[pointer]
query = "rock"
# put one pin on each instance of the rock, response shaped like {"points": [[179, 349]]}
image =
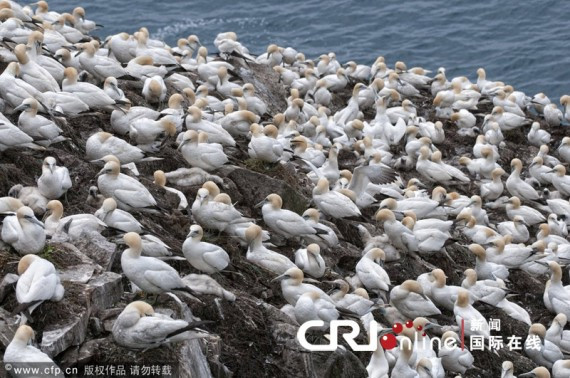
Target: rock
{"points": [[267, 87], [106, 289], [192, 362], [73, 332], [254, 187], [77, 273], [7, 284], [96, 247], [8, 326], [299, 363], [204, 284]]}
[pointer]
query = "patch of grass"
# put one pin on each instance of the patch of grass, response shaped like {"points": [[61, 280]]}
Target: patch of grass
{"points": [[47, 253], [261, 166]]}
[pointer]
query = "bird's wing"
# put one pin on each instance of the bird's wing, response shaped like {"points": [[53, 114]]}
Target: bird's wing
{"points": [[11, 230], [218, 258], [133, 198], [166, 278], [39, 288]]}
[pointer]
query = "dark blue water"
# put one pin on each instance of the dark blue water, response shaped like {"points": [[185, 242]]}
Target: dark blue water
{"points": [[524, 43]]}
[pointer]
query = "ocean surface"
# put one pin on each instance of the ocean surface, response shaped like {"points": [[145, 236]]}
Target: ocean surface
{"points": [[524, 43]]}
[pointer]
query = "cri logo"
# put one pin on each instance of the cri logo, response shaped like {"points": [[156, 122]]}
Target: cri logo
{"points": [[388, 341]]}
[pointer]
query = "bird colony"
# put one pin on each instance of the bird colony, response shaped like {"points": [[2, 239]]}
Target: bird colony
{"points": [[170, 203]]}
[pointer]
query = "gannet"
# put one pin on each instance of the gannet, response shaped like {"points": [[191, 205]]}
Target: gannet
{"points": [[88, 93], [117, 218], [191, 177], [198, 152], [510, 255], [24, 196], [552, 115], [160, 180], [482, 166], [328, 170], [557, 227], [563, 149], [485, 269], [83, 25], [111, 88], [310, 260], [15, 90], [54, 181], [410, 300], [333, 203], [518, 187], [302, 150], [371, 273], [142, 68], [43, 11], [517, 228], [488, 291], [538, 137], [41, 129], [204, 284], [541, 172], [52, 66], [140, 327], [121, 119], [10, 204], [259, 255], [101, 67], [400, 236], [264, 146], [547, 353], [154, 90], [72, 225], [557, 335], [212, 214], [144, 131], [453, 358], [24, 232], [310, 306], [33, 73], [283, 221], [560, 181], [358, 301], [378, 366], [442, 294], [129, 193], [560, 369], [491, 190], [203, 256], [463, 311], [150, 274], [20, 352], [216, 133], [402, 367], [327, 238], [38, 282], [292, 286], [531, 216], [160, 56], [549, 160]]}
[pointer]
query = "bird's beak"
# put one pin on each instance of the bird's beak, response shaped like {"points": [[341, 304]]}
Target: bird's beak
{"points": [[21, 107], [102, 171], [182, 144], [529, 374], [51, 168], [260, 204], [279, 278], [431, 325], [79, 53], [34, 220]]}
